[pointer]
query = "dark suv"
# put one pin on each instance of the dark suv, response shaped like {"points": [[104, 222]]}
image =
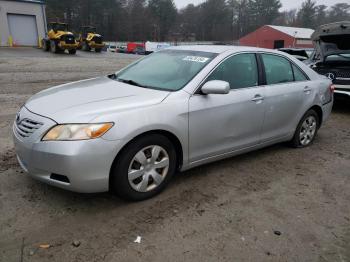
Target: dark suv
{"points": [[332, 55]]}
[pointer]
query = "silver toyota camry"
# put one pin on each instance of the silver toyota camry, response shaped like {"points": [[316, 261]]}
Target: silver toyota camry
{"points": [[182, 107]]}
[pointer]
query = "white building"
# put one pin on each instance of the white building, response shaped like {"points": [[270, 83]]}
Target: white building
{"points": [[22, 20]]}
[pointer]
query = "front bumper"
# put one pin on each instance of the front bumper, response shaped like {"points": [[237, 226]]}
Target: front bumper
{"points": [[343, 90], [86, 164]]}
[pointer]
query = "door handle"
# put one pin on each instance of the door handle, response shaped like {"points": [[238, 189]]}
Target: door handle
{"points": [[258, 98], [307, 89]]}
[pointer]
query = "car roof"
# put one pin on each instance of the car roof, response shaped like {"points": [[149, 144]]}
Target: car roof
{"points": [[218, 49]]}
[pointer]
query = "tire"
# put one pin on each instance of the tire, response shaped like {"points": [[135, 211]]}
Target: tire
{"points": [[306, 131], [98, 50], [72, 51], [46, 47], [148, 180], [53, 47]]}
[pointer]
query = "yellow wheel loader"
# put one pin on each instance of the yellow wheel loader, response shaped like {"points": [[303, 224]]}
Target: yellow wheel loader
{"points": [[89, 39], [59, 39]]}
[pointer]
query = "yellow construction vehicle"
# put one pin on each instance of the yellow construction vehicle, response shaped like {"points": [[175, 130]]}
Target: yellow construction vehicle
{"points": [[59, 39], [89, 39]]}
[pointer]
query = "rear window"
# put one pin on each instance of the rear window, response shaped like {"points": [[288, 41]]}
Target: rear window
{"points": [[278, 69], [298, 74]]}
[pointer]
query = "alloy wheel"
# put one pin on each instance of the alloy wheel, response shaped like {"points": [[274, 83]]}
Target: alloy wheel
{"points": [[308, 130]]}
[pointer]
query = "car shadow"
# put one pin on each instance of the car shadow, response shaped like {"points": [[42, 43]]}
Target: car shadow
{"points": [[196, 191]]}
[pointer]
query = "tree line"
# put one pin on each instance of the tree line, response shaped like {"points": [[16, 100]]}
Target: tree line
{"points": [[212, 20]]}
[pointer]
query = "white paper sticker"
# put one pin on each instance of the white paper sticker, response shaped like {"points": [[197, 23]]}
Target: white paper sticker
{"points": [[198, 59]]}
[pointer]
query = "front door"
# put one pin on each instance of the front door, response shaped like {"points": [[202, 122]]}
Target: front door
{"points": [[219, 124]]}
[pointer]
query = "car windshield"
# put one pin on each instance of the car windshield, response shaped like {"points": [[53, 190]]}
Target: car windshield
{"points": [[338, 57], [167, 70]]}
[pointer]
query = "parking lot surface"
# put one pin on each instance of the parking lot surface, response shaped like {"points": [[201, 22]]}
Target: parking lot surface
{"points": [[275, 204]]}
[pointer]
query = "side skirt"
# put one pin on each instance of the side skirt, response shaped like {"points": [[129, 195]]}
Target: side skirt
{"points": [[235, 153]]}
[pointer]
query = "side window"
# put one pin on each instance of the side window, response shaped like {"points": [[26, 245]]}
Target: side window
{"points": [[298, 75], [278, 69], [239, 70]]}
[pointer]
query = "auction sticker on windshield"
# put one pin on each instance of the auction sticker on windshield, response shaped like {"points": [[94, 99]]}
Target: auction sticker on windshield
{"points": [[198, 59]]}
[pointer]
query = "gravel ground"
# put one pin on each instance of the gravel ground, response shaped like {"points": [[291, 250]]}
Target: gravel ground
{"points": [[275, 204]]}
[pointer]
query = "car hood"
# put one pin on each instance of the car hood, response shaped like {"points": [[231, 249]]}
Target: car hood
{"points": [[82, 101]]}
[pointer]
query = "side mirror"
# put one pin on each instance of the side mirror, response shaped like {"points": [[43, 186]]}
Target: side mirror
{"points": [[217, 87]]}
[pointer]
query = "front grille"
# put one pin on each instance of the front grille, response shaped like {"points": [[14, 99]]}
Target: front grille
{"points": [[341, 81], [343, 74], [68, 39], [337, 73], [27, 127], [97, 39]]}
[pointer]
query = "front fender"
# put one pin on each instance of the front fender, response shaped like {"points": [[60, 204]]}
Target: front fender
{"points": [[171, 116]]}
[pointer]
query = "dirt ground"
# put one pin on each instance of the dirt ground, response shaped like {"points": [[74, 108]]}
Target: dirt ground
{"points": [[275, 204]]}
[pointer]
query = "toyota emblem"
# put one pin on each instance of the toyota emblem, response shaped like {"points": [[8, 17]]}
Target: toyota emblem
{"points": [[331, 76]]}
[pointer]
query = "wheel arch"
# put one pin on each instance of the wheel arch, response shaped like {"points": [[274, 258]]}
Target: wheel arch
{"points": [[172, 137], [319, 112]]}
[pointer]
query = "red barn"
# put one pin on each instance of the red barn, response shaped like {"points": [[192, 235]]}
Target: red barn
{"points": [[273, 37]]}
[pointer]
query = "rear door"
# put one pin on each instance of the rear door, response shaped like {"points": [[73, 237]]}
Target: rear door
{"points": [[286, 93]]}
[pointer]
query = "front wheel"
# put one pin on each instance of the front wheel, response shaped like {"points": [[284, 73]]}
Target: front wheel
{"points": [[72, 51], [307, 130], [144, 168], [98, 50]]}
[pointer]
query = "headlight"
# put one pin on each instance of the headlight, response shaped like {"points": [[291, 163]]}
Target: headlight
{"points": [[70, 132]]}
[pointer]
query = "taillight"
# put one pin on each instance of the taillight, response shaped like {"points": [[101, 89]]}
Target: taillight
{"points": [[332, 88]]}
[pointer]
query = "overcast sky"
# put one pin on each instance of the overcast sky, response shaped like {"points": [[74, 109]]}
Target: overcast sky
{"points": [[287, 4]]}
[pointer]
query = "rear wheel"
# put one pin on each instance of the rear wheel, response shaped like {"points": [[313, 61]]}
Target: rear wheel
{"points": [[98, 50], [307, 130], [144, 168], [72, 51]]}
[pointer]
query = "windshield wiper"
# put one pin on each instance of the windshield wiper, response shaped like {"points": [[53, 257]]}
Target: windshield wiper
{"points": [[130, 82]]}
